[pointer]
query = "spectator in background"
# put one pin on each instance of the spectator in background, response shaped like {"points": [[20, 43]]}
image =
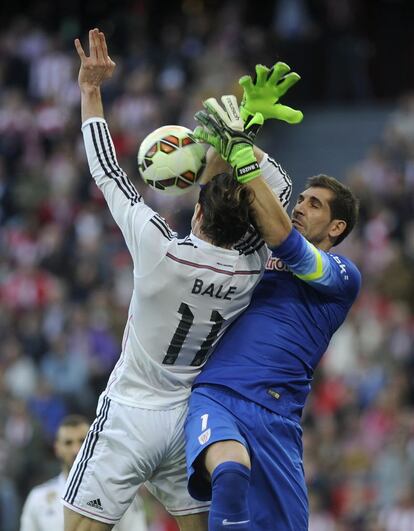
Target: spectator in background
{"points": [[43, 509]]}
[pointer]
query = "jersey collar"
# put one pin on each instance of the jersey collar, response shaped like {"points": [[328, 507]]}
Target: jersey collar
{"points": [[209, 247]]}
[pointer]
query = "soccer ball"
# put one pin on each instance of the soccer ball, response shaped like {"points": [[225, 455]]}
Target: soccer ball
{"points": [[170, 161]]}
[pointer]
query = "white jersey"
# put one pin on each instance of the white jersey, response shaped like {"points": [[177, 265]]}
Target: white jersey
{"points": [[186, 291], [43, 509]]}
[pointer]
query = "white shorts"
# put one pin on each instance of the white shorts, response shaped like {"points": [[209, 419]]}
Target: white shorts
{"points": [[127, 446]]}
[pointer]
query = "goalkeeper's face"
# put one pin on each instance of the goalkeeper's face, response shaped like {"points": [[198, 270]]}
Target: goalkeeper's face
{"points": [[312, 217]]}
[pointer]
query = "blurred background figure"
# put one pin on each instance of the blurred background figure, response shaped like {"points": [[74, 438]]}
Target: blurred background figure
{"points": [[43, 509]]}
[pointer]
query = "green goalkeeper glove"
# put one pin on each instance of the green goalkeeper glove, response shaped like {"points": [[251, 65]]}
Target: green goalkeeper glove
{"points": [[262, 94], [225, 131]]}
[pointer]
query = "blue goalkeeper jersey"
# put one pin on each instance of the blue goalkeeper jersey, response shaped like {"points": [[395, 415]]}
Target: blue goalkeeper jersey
{"points": [[270, 352]]}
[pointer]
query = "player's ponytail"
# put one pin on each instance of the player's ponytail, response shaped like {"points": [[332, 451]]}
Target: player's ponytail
{"points": [[226, 210]]}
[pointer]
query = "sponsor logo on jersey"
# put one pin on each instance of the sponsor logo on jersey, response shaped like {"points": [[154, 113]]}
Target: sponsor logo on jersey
{"points": [[342, 267], [273, 394], [51, 496], [204, 437], [96, 504], [276, 264]]}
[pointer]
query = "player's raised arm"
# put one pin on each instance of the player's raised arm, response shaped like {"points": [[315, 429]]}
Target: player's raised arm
{"points": [[224, 130], [94, 69], [271, 172], [125, 203]]}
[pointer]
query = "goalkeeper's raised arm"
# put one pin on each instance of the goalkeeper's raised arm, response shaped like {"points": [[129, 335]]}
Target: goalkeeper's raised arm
{"points": [[222, 128]]}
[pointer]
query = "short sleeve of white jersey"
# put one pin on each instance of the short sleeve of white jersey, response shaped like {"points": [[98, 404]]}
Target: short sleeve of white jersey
{"points": [[146, 234], [277, 178]]}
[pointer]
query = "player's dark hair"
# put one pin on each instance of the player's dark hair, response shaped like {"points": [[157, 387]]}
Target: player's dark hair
{"points": [[225, 205], [73, 421], [344, 205]]}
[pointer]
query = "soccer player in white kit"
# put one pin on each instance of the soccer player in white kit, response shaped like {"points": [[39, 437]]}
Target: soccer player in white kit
{"points": [[43, 509], [186, 293]]}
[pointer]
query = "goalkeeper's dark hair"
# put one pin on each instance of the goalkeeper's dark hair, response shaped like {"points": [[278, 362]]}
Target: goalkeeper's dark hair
{"points": [[344, 205], [225, 205]]}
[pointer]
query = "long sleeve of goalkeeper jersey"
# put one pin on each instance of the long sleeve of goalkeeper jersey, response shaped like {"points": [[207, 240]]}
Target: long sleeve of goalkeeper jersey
{"points": [[326, 272], [276, 177], [146, 234]]}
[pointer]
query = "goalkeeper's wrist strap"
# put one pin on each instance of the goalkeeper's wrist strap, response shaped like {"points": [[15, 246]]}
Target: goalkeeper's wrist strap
{"points": [[246, 173], [245, 164]]}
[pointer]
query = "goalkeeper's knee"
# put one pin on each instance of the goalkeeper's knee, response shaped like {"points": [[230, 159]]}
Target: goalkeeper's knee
{"points": [[230, 484]]}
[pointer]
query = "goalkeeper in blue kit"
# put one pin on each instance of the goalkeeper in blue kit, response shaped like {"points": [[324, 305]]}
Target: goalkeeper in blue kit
{"points": [[243, 433]]}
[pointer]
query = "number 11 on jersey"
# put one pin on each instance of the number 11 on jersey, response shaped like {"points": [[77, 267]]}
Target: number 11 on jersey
{"points": [[182, 331]]}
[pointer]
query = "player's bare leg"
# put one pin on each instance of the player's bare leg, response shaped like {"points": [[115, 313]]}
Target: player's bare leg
{"points": [[79, 522], [193, 522], [223, 451]]}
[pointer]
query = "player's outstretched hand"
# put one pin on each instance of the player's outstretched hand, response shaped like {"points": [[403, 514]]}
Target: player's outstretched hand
{"points": [[98, 66], [223, 128], [262, 94]]}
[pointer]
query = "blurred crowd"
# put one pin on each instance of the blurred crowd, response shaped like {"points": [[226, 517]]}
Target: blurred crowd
{"points": [[65, 273]]}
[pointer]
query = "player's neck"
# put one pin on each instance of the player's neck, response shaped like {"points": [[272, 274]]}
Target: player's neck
{"points": [[324, 245], [200, 235]]}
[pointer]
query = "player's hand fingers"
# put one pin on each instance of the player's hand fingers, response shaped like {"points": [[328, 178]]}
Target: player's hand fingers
{"points": [[104, 49], [208, 122], [93, 51], [277, 72], [199, 134], [201, 117], [202, 135], [103, 44], [246, 82], [254, 125], [255, 120], [232, 108], [100, 54], [261, 75], [80, 50], [110, 65], [288, 81], [287, 114], [214, 108]]}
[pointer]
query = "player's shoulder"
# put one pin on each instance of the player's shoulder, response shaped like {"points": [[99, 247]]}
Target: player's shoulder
{"points": [[349, 272], [192, 251], [159, 226]]}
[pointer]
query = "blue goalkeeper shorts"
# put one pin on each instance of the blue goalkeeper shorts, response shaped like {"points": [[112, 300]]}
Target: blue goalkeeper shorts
{"points": [[277, 494]]}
